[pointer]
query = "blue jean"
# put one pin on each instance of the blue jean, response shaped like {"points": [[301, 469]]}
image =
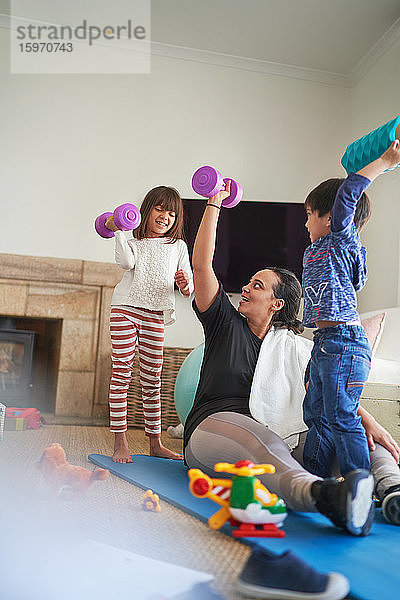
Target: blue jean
{"points": [[340, 364]]}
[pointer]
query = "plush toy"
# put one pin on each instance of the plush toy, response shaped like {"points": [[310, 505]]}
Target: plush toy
{"points": [[151, 501], [63, 477]]}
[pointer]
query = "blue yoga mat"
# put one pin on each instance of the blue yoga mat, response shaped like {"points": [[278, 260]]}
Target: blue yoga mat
{"points": [[372, 564]]}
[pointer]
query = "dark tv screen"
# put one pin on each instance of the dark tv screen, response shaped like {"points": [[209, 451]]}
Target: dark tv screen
{"points": [[250, 237]]}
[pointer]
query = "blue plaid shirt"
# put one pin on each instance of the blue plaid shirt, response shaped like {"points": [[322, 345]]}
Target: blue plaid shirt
{"points": [[335, 265]]}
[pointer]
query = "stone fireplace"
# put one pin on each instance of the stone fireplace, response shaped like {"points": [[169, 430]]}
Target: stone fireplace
{"points": [[76, 294]]}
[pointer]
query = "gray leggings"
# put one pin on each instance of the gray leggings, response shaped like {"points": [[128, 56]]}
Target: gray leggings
{"points": [[229, 437]]}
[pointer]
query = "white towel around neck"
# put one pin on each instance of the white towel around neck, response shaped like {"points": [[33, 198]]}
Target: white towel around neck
{"points": [[277, 391]]}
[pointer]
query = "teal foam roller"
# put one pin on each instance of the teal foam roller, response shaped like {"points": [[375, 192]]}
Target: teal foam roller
{"points": [[371, 146]]}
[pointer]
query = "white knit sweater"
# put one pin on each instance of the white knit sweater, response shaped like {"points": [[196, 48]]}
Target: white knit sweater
{"points": [[150, 265]]}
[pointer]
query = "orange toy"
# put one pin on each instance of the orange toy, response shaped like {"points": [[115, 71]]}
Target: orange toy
{"points": [[61, 476], [151, 501]]}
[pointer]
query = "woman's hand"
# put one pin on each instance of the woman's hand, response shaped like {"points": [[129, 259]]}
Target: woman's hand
{"points": [[376, 433], [181, 279], [221, 195]]}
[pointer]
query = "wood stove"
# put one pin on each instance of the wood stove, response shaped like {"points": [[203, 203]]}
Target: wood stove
{"points": [[16, 355]]}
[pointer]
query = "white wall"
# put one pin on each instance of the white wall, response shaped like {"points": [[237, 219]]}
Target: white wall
{"points": [[75, 146], [374, 101], [187, 332]]}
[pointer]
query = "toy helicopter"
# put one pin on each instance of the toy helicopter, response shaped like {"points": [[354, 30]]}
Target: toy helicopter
{"points": [[246, 503]]}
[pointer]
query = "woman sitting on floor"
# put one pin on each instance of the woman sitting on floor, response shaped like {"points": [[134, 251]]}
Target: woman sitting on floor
{"points": [[220, 426]]}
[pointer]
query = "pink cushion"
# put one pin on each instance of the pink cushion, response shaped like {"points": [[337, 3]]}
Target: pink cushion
{"points": [[373, 328]]}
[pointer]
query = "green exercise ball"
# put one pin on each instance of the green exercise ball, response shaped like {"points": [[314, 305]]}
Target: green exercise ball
{"points": [[187, 381]]}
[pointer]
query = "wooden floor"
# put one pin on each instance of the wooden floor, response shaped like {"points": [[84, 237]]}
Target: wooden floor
{"points": [[110, 511]]}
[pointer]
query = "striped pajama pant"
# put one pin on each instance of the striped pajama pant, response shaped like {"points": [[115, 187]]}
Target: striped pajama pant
{"points": [[130, 326]]}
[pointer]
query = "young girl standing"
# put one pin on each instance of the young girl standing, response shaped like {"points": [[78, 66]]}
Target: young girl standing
{"points": [[142, 303]]}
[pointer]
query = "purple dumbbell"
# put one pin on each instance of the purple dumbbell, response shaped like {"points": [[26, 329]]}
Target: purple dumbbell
{"points": [[126, 217], [207, 182]]}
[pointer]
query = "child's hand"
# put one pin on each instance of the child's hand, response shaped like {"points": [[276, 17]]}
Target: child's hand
{"points": [[391, 157], [110, 224], [181, 279], [221, 195], [388, 160]]}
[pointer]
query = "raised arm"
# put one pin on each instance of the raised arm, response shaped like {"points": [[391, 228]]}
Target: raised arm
{"points": [[351, 189], [205, 282], [124, 256], [345, 204]]}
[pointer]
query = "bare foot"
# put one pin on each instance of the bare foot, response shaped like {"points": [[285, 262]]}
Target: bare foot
{"points": [[121, 450], [157, 449]]}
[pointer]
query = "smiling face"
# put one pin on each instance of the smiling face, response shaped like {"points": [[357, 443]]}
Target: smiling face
{"points": [[317, 226], [258, 299], [160, 221]]}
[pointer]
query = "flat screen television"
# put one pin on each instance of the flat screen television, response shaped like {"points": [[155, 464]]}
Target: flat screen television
{"points": [[252, 236]]}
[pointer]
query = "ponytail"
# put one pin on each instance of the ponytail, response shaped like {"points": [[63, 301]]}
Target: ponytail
{"points": [[296, 326], [288, 289]]}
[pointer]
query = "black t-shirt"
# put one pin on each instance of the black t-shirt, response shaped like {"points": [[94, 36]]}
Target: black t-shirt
{"points": [[230, 356]]}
